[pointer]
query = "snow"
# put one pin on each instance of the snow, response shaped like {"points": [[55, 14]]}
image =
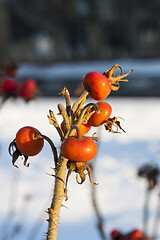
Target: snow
{"points": [[26, 192]]}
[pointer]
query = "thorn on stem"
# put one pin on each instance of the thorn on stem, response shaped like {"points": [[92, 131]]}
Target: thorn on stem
{"points": [[64, 206], [45, 219], [52, 175]]}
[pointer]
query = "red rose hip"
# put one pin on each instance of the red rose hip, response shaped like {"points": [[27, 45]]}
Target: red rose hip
{"points": [[29, 141], [97, 85]]}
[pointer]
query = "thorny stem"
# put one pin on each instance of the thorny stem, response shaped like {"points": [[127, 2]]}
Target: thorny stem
{"points": [[61, 162], [58, 197], [59, 193]]}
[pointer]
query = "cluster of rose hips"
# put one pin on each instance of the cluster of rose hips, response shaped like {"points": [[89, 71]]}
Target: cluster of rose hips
{"points": [[77, 121], [10, 87], [135, 234]]}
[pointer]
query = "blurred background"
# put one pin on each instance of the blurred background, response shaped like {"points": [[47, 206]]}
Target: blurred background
{"points": [[40, 35], [56, 42]]}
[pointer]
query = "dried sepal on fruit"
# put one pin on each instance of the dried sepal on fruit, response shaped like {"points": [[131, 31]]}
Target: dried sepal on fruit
{"points": [[15, 153], [28, 142], [79, 168], [111, 123], [114, 80]]}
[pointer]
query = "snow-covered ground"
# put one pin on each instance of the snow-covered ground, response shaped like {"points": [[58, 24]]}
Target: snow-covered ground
{"points": [[26, 192]]}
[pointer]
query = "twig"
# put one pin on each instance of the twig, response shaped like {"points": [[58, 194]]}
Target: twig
{"points": [[80, 99], [157, 219], [53, 121], [85, 109], [54, 150], [83, 112], [66, 95], [146, 210], [64, 114], [100, 220]]}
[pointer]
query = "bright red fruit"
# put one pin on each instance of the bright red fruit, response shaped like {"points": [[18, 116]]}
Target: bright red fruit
{"points": [[98, 119], [115, 234], [84, 128], [29, 89], [79, 150], [136, 234], [97, 85], [9, 87], [30, 84], [29, 141]]}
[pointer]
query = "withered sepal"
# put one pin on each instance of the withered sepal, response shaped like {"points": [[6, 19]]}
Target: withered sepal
{"points": [[15, 153], [113, 122]]}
